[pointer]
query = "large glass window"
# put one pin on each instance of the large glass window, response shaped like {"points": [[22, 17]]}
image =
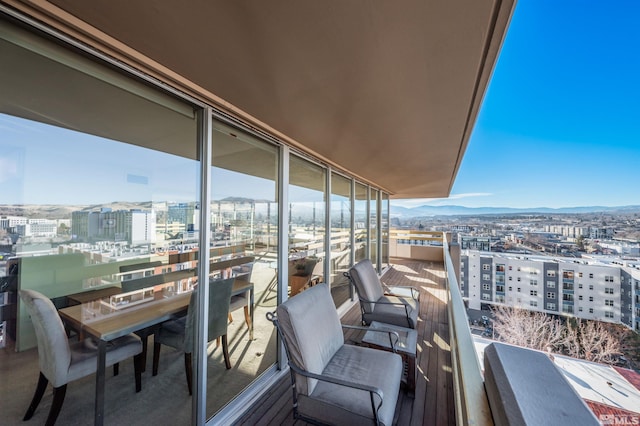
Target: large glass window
{"points": [[244, 231], [361, 230], [373, 227], [340, 250], [99, 184], [384, 227], [307, 192]]}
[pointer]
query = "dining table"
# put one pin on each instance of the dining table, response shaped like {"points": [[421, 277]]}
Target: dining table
{"points": [[100, 319]]}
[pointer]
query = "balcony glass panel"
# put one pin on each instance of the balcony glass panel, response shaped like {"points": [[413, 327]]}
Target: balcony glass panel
{"points": [[361, 220], [244, 229], [99, 179], [340, 250], [384, 226], [373, 227], [307, 192]]}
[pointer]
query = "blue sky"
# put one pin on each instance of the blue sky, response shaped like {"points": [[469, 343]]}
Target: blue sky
{"points": [[560, 122]]}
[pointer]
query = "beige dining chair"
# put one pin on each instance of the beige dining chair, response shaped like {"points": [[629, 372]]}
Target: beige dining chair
{"points": [[180, 333], [61, 361]]}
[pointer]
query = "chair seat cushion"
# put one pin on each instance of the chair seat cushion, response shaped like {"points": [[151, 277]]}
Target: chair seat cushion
{"points": [[394, 314], [238, 301], [344, 405], [83, 355]]}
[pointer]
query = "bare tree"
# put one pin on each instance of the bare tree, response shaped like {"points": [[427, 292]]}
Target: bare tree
{"points": [[592, 340], [521, 327]]}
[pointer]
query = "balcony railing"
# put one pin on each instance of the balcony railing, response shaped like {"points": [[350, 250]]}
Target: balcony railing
{"points": [[472, 406], [471, 403], [501, 387]]}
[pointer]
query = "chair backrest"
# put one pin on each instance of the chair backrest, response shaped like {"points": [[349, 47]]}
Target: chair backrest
{"points": [[367, 283], [312, 332], [219, 298], [54, 354]]}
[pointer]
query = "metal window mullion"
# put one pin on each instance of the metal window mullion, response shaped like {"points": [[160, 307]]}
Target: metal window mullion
{"points": [[379, 230], [283, 238], [327, 227], [205, 141]]}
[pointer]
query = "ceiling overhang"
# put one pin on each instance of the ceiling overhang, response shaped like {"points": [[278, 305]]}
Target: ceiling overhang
{"points": [[386, 90]]}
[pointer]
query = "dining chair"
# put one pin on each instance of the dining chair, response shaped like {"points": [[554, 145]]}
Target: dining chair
{"points": [[62, 361], [137, 284], [397, 305], [180, 333], [243, 300]]}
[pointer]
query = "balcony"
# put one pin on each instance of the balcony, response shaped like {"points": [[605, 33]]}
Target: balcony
{"points": [[434, 396], [451, 386]]}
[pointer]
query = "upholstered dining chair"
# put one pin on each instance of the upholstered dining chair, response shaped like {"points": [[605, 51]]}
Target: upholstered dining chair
{"points": [[391, 305], [180, 333], [62, 361], [243, 300]]}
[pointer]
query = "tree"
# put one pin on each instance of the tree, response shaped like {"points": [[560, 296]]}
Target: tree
{"points": [[589, 340], [592, 341], [521, 327]]}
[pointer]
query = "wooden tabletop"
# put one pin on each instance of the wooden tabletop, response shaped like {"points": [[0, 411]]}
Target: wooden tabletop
{"points": [[96, 318]]}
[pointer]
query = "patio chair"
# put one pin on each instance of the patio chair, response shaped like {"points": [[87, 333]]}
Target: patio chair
{"points": [[180, 333], [333, 382], [61, 361], [391, 305]]}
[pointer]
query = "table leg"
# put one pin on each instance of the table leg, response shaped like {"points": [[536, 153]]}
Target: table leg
{"points": [[100, 373]]}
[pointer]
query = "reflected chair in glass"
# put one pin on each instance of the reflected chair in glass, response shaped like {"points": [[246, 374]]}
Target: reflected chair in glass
{"points": [[397, 305], [333, 382], [137, 284], [301, 274], [61, 361], [243, 300], [180, 333]]}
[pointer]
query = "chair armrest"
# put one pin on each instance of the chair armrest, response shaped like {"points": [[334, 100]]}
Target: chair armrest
{"points": [[336, 381], [394, 337]]}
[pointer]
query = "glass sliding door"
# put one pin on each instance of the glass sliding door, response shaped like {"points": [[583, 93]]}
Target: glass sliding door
{"points": [[307, 204], [99, 200], [374, 223], [340, 250], [244, 231], [361, 231], [384, 228]]}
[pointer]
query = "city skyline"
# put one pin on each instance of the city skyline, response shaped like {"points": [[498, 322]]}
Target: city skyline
{"points": [[559, 123]]}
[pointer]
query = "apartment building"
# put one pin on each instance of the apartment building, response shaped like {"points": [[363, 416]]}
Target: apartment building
{"points": [[580, 288]]}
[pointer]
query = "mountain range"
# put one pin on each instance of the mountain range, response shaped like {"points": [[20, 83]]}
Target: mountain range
{"points": [[452, 210]]}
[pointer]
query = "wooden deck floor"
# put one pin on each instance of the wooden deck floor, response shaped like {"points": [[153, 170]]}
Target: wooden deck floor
{"points": [[433, 401]]}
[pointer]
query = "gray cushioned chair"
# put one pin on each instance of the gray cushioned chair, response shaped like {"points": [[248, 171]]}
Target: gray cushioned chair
{"points": [[180, 333], [333, 382], [243, 300], [61, 361], [391, 305]]}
